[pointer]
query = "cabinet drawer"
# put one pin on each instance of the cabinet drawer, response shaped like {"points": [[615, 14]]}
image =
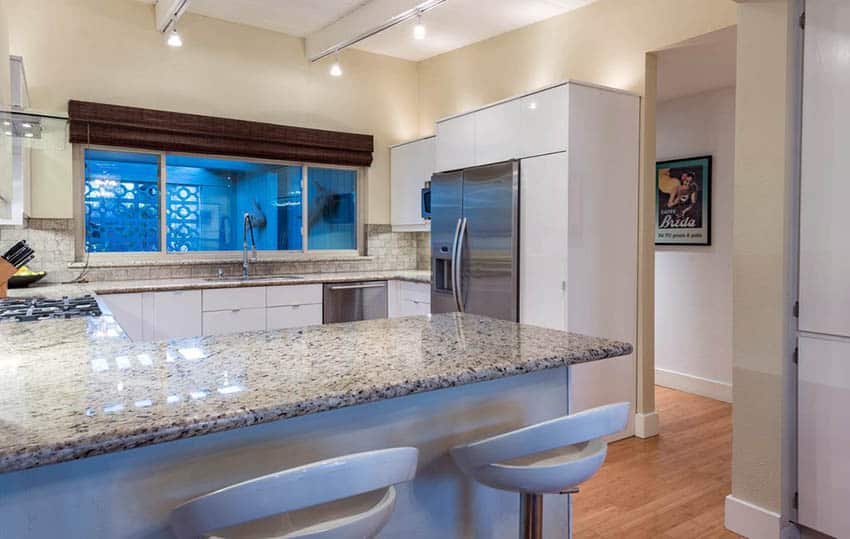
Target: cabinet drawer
{"points": [[415, 292], [293, 316], [223, 299], [176, 314], [302, 294], [234, 321]]}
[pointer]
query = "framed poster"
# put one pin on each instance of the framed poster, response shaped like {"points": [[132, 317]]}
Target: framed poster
{"points": [[683, 201]]}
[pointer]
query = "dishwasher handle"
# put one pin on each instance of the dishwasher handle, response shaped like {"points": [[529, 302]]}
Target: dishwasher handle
{"points": [[356, 286]]}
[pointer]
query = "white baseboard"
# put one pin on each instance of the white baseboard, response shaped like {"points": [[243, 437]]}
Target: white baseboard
{"points": [[646, 425], [751, 521], [689, 383]]}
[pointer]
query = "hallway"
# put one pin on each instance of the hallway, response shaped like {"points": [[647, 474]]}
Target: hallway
{"points": [[672, 485]]}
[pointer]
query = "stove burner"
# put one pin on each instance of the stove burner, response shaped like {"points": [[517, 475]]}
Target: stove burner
{"points": [[32, 309]]}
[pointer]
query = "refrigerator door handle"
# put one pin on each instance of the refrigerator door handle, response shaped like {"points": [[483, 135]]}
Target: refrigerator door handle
{"points": [[457, 266], [454, 261]]}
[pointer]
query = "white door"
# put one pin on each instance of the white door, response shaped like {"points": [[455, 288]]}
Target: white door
{"points": [[824, 435], [456, 143], [543, 241], [825, 187]]}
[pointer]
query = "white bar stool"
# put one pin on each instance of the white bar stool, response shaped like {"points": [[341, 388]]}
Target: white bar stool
{"points": [[304, 487], [552, 457]]}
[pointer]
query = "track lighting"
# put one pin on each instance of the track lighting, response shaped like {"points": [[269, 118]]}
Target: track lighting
{"points": [[174, 39], [419, 31]]}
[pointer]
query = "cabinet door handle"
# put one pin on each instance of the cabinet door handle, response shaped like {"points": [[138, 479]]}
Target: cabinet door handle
{"points": [[235, 310], [356, 286]]}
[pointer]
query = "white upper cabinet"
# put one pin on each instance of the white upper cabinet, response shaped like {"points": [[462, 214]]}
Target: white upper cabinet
{"points": [[544, 122], [456, 143], [525, 126], [411, 165], [824, 219], [496, 136]]}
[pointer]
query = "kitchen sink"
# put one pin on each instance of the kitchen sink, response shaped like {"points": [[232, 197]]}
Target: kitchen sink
{"points": [[252, 278]]}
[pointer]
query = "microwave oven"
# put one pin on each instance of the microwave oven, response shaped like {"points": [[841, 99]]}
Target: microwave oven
{"points": [[426, 201]]}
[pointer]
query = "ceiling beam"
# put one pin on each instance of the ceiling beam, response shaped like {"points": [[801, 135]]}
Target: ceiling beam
{"points": [[365, 21], [168, 12]]}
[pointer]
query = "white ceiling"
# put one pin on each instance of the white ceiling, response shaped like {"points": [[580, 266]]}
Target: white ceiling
{"points": [[452, 25], [701, 65]]}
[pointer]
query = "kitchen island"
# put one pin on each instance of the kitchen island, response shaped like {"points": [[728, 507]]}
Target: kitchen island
{"points": [[102, 437]]}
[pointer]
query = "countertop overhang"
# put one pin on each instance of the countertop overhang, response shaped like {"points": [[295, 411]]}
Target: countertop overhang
{"points": [[79, 388]]}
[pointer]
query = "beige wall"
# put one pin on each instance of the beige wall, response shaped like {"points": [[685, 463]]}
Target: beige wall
{"points": [[606, 42], [762, 245], [5, 145], [4, 55], [109, 51]]}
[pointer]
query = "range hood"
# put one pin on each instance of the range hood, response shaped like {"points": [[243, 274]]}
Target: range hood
{"points": [[23, 131]]}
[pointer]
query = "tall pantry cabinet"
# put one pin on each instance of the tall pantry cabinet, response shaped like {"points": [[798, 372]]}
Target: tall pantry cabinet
{"points": [[578, 147], [823, 386]]}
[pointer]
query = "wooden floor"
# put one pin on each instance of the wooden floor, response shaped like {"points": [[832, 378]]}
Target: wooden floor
{"points": [[672, 485]]}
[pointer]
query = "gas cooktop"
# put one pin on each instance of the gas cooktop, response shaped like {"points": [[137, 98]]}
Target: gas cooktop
{"points": [[32, 309]]}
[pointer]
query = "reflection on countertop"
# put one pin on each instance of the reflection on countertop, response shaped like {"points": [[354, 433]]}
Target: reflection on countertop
{"points": [[78, 388]]}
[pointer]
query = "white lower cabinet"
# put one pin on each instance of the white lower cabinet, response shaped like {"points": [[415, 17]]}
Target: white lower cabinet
{"points": [[127, 311], [293, 316], [235, 310], [157, 315], [408, 299], [176, 315], [234, 321], [823, 431]]}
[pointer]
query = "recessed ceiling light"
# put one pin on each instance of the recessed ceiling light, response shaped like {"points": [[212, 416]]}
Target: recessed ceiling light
{"points": [[7, 123], [532, 105], [28, 135], [26, 126], [8, 133]]}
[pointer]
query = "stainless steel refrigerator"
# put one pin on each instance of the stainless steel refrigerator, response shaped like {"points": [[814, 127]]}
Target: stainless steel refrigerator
{"points": [[475, 241]]}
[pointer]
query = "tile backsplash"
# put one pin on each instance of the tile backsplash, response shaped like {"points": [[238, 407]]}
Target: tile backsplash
{"points": [[53, 242]]}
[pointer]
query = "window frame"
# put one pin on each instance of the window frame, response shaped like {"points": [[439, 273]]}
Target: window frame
{"points": [[163, 255]]}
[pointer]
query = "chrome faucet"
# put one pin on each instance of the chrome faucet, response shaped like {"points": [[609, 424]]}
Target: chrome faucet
{"points": [[247, 226]]}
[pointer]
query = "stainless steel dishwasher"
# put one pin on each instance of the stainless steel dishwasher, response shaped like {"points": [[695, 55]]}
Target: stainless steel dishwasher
{"points": [[347, 302]]}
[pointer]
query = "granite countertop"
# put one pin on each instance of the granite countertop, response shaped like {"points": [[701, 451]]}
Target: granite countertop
{"points": [[78, 388], [56, 290]]}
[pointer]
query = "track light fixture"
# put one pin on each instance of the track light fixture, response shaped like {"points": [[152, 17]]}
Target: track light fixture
{"points": [[174, 39], [419, 31], [336, 67]]}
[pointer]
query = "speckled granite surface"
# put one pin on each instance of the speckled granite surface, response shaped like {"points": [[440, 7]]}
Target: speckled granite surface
{"points": [[159, 285], [78, 388]]}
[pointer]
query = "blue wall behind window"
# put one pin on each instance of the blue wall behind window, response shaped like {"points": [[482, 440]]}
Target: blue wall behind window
{"points": [[205, 201], [332, 214], [121, 201], [208, 198]]}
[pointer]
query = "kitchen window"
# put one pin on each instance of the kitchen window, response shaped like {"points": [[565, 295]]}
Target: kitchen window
{"points": [[137, 201]]}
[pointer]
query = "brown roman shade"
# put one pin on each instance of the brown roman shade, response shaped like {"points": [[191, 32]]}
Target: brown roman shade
{"points": [[129, 127]]}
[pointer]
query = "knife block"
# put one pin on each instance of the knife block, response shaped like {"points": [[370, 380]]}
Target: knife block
{"points": [[6, 272]]}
